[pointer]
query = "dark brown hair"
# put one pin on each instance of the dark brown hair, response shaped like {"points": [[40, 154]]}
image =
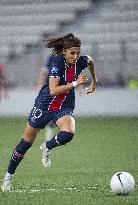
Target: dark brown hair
{"points": [[58, 44]]}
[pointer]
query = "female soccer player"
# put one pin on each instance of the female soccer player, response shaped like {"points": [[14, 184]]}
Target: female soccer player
{"points": [[55, 101], [49, 129]]}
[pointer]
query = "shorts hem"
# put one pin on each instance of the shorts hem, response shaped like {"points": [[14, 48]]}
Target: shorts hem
{"points": [[33, 126]]}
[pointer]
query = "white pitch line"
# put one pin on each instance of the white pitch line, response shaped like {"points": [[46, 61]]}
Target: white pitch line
{"points": [[42, 190], [52, 189]]}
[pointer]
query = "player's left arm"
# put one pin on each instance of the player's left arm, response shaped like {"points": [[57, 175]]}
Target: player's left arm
{"points": [[41, 78], [92, 86]]}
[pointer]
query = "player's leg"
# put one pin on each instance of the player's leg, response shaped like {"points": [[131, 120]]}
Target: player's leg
{"points": [[66, 125], [45, 152], [26, 142]]}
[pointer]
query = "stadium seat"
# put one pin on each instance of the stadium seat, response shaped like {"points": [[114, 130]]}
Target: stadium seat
{"points": [[25, 22]]}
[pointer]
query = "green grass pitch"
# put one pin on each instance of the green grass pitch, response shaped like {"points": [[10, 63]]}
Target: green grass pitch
{"points": [[81, 170]]}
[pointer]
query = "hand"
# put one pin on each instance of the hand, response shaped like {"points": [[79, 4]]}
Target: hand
{"points": [[82, 78], [91, 87]]}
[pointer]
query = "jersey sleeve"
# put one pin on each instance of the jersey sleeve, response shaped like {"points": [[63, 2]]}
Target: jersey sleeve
{"points": [[88, 58], [83, 62], [54, 68]]}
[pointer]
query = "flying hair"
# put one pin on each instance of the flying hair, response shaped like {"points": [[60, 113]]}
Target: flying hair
{"points": [[58, 44]]}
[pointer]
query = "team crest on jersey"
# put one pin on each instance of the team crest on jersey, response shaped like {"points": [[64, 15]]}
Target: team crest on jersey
{"points": [[54, 70]]}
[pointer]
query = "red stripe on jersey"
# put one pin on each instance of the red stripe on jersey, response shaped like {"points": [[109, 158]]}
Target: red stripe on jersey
{"points": [[70, 73], [57, 102]]}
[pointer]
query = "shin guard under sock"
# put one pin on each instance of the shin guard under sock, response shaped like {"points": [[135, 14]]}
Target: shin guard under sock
{"points": [[59, 139]]}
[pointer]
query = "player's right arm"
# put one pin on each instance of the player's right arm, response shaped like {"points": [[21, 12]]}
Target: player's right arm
{"points": [[54, 79], [56, 89]]}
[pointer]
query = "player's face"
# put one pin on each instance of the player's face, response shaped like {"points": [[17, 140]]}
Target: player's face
{"points": [[72, 54]]}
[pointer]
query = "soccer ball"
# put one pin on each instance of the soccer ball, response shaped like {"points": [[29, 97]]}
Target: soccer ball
{"points": [[122, 183]]}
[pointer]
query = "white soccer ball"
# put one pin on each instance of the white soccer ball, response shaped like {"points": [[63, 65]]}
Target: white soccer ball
{"points": [[122, 183]]}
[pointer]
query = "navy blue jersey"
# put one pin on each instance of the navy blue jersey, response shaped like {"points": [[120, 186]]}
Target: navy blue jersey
{"points": [[67, 73]]}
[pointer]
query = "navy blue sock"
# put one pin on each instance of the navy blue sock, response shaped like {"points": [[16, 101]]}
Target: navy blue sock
{"points": [[18, 155], [59, 139]]}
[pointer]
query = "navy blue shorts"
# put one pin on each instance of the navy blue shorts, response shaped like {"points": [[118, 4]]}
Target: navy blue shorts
{"points": [[39, 117]]}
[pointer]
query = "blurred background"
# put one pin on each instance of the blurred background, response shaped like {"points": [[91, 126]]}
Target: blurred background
{"points": [[108, 30]]}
